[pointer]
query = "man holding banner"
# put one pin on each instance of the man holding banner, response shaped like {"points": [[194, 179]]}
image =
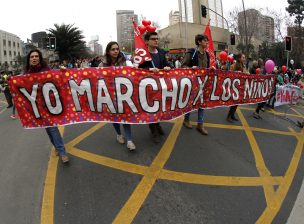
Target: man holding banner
{"points": [[197, 58], [158, 61]]}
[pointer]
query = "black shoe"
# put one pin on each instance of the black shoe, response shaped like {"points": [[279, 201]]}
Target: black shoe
{"points": [[9, 106], [160, 130]]}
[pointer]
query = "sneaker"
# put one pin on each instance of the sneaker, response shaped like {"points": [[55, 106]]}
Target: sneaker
{"points": [[256, 115], [56, 152], [120, 139], [64, 159], [13, 117], [187, 124], [200, 128], [263, 109], [131, 146]]}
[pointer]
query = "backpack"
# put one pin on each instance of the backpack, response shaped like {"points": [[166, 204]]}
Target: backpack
{"points": [[194, 57]]}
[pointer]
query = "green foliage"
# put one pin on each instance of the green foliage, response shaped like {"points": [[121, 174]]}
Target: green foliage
{"points": [[296, 8], [69, 41]]}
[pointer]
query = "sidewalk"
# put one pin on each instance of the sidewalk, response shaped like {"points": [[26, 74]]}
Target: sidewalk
{"points": [[297, 214]]}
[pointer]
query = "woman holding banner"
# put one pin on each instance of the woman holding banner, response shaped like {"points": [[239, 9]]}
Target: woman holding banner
{"points": [[35, 64], [114, 57]]}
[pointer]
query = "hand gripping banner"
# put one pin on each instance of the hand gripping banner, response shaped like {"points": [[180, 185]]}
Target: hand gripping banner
{"points": [[129, 95]]}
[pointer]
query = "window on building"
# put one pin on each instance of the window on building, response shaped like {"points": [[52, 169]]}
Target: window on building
{"points": [[14, 53], [4, 52], [11, 62], [18, 45], [10, 53], [14, 44], [4, 43], [18, 53], [9, 43]]}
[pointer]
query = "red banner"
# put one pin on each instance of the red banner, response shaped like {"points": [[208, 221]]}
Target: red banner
{"points": [[129, 95], [210, 47]]}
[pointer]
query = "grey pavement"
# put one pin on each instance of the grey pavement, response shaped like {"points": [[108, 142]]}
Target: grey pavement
{"points": [[91, 190]]}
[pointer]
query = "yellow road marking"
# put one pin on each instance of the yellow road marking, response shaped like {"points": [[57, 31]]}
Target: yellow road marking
{"points": [[271, 111], [2, 110], [297, 112], [156, 171], [47, 207], [273, 208], [130, 209], [218, 180], [109, 162], [84, 135], [259, 160]]}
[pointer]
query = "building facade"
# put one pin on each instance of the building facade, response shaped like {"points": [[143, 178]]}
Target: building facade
{"points": [[125, 29], [260, 27], [174, 17], [191, 12], [10, 50], [38, 38]]}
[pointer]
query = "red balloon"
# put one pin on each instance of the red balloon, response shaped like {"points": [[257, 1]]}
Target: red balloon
{"points": [[151, 28], [284, 68], [223, 56], [146, 22], [230, 59], [142, 29], [258, 71]]}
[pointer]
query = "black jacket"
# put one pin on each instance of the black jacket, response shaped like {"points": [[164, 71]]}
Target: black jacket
{"points": [[163, 61]]}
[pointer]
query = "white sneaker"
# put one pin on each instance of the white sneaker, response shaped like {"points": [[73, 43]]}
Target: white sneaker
{"points": [[120, 139], [131, 146]]}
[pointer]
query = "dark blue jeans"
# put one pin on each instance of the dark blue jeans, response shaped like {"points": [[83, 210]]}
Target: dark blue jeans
{"points": [[56, 139], [200, 116], [127, 129]]}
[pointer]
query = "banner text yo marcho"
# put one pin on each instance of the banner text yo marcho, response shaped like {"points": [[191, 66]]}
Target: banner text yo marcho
{"points": [[129, 95]]}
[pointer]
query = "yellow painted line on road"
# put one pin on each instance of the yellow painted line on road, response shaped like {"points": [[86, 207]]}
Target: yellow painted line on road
{"points": [[275, 205], [84, 135], [218, 180], [271, 111], [1, 111], [223, 126], [259, 160], [270, 131], [297, 112], [109, 162], [47, 207], [132, 206]]}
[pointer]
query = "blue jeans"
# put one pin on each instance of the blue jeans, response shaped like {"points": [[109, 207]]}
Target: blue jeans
{"points": [[127, 129], [56, 139], [200, 116]]}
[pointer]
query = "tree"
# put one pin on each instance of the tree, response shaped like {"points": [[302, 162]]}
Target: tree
{"points": [[296, 8], [69, 41]]}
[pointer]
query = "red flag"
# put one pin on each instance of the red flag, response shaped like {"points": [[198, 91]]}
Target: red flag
{"points": [[210, 48], [141, 51]]}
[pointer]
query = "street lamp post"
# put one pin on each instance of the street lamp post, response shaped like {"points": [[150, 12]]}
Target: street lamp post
{"points": [[246, 33]]}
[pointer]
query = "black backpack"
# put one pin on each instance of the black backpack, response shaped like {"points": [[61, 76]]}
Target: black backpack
{"points": [[194, 57]]}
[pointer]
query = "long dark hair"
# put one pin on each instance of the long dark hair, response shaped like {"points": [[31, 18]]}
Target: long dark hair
{"points": [[120, 57], [41, 60], [239, 66]]}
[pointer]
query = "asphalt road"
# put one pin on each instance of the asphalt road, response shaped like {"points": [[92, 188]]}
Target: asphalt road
{"points": [[247, 172]]}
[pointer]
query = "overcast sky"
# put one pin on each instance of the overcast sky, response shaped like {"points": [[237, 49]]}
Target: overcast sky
{"points": [[96, 17]]}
